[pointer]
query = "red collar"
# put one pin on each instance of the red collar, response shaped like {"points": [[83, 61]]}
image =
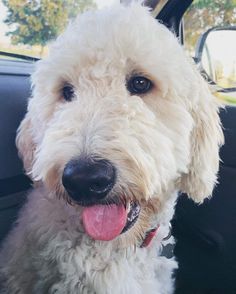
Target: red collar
{"points": [[148, 237]]}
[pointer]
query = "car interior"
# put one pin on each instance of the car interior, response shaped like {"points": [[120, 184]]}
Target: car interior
{"points": [[205, 234]]}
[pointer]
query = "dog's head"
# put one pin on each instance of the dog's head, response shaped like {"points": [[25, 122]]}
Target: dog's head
{"points": [[119, 120]]}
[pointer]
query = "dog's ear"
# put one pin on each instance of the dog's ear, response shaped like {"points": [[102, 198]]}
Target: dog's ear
{"points": [[24, 143], [206, 138]]}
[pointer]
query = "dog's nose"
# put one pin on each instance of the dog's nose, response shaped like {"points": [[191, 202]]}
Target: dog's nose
{"points": [[88, 180]]}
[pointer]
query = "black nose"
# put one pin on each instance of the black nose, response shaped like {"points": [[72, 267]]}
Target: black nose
{"points": [[88, 180]]}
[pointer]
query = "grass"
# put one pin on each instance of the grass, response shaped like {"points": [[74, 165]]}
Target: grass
{"points": [[227, 98], [34, 51]]}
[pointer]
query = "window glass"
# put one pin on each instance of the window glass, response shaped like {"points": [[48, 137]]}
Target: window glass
{"points": [[26, 26], [200, 17]]}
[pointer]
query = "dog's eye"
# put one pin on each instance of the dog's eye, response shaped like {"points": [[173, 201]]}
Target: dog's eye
{"points": [[139, 85], [68, 92]]}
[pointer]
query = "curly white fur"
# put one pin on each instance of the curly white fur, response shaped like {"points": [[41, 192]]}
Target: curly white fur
{"points": [[160, 142]]}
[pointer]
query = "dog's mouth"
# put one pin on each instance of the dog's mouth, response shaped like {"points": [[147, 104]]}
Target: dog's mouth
{"points": [[107, 221]]}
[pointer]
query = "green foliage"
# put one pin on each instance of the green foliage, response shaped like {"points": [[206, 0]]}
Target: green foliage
{"points": [[204, 14], [35, 22], [215, 5]]}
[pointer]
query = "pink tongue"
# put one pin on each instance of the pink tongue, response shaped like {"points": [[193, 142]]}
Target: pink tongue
{"points": [[104, 222]]}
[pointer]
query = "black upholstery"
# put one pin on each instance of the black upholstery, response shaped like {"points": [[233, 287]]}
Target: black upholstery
{"points": [[14, 92], [206, 234]]}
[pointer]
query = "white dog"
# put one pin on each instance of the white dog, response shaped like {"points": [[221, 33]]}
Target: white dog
{"points": [[120, 120]]}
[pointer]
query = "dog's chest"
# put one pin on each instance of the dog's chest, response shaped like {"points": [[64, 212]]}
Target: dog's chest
{"points": [[105, 273]]}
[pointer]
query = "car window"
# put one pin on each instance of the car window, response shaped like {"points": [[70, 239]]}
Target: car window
{"points": [[200, 17], [26, 27]]}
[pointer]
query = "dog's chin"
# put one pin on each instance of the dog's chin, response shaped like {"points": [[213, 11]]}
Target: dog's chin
{"points": [[106, 220]]}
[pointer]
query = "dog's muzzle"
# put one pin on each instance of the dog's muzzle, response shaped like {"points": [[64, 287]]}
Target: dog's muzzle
{"points": [[88, 182]]}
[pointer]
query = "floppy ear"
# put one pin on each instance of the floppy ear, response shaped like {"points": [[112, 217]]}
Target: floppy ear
{"points": [[206, 138], [24, 143]]}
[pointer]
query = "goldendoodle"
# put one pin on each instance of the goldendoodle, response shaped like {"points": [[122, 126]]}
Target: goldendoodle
{"points": [[119, 121]]}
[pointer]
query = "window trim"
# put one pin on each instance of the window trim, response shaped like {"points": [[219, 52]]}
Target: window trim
{"points": [[171, 16]]}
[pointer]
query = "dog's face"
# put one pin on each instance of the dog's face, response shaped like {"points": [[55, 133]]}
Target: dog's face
{"points": [[119, 120]]}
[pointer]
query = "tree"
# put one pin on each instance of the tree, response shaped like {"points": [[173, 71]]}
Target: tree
{"points": [[204, 14], [35, 22]]}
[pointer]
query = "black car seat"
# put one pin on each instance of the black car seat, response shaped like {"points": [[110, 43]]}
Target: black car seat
{"points": [[206, 234], [14, 91]]}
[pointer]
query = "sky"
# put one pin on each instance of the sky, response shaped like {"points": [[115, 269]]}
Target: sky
{"points": [[102, 3], [3, 27]]}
